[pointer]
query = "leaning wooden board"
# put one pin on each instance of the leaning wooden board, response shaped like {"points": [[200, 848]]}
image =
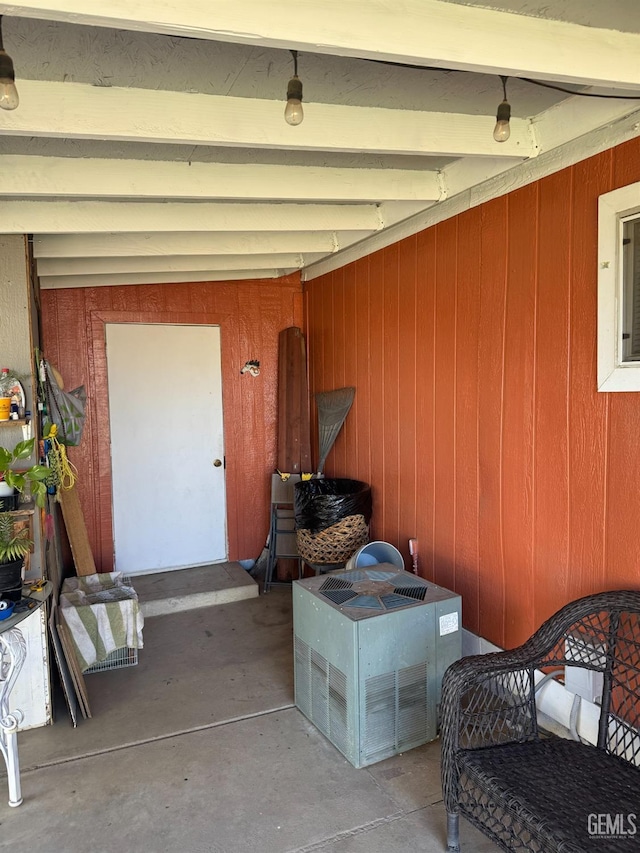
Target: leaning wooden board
{"points": [[294, 439], [77, 532]]}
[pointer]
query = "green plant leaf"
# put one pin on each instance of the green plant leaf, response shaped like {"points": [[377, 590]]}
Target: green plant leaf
{"points": [[24, 449], [39, 492], [37, 472], [12, 478], [6, 458]]}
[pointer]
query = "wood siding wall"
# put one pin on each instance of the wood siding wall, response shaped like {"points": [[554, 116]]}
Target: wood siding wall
{"points": [[250, 314], [472, 346]]}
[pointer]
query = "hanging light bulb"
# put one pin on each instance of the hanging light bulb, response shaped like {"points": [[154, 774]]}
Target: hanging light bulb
{"points": [[293, 112], [502, 131], [9, 99]]}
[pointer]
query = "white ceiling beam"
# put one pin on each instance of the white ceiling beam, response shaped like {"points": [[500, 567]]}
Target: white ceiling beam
{"points": [[60, 282], [154, 245], [86, 217], [35, 177], [170, 263], [196, 243], [575, 117], [77, 110], [429, 32], [466, 172]]}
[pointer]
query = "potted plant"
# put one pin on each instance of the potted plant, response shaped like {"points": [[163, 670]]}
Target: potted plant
{"points": [[15, 481], [14, 546]]}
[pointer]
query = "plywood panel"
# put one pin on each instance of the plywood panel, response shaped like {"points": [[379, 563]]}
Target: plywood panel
{"points": [[518, 408], [377, 333], [588, 410], [466, 415], [622, 544], [425, 403], [360, 415], [552, 357], [408, 369], [527, 481], [390, 412], [444, 412], [350, 311], [341, 464]]}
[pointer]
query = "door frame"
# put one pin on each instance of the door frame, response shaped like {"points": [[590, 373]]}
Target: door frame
{"points": [[99, 456], [171, 341]]}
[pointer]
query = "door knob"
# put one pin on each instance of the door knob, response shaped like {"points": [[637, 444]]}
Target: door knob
{"points": [[217, 463]]}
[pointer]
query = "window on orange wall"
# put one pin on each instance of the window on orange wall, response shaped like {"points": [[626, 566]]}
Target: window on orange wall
{"points": [[619, 290]]}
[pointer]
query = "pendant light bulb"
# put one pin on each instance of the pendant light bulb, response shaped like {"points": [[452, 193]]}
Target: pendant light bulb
{"points": [[9, 99], [502, 131], [293, 112]]}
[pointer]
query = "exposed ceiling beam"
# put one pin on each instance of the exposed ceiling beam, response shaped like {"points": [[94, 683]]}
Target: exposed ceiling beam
{"points": [[575, 117], [428, 32], [170, 263], [59, 282], [33, 177], [77, 110], [458, 176], [85, 217], [152, 244]]}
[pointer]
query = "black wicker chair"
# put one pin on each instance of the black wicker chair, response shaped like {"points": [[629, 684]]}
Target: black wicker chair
{"points": [[526, 789]]}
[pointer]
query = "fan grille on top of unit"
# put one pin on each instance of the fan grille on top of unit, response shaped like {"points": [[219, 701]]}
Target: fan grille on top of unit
{"points": [[356, 589], [335, 583], [417, 592]]}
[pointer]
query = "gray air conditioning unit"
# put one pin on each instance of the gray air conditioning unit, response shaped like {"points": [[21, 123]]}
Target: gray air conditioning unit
{"points": [[371, 646]]}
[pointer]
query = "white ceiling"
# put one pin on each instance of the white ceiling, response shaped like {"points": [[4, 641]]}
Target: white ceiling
{"points": [[150, 143]]}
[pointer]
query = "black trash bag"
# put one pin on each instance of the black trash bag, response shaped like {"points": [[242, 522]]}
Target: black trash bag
{"points": [[320, 503]]}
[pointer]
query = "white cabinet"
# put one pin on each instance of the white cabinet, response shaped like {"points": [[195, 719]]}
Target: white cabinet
{"points": [[31, 694]]}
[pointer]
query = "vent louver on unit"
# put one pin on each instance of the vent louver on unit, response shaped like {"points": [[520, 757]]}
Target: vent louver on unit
{"points": [[374, 589], [371, 646]]}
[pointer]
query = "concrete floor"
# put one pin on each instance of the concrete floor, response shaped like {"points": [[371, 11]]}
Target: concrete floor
{"points": [[199, 749]]}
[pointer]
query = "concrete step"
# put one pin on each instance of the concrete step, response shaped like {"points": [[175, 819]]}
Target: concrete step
{"points": [[187, 589]]}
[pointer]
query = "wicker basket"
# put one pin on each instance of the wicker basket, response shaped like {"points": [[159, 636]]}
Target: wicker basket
{"points": [[334, 544]]}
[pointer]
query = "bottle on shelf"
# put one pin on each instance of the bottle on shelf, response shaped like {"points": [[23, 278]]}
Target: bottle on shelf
{"points": [[5, 378], [5, 395]]}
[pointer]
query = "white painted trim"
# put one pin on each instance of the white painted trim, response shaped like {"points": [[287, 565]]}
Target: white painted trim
{"points": [[613, 373], [545, 164], [77, 110], [84, 217], [430, 32], [33, 177], [168, 263], [153, 244], [62, 282]]}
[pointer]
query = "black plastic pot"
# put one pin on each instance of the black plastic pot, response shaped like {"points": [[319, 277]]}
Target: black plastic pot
{"points": [[11, 577], [8, 503]]}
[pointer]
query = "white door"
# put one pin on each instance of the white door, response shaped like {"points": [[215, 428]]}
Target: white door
{"points": [[165, 411]]}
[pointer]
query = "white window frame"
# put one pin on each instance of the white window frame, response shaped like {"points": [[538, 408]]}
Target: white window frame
{"points": [[614, 374]]}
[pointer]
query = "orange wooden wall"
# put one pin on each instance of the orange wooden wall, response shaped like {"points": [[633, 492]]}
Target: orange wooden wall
{"points": [[476, 419], [250, 314]]}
